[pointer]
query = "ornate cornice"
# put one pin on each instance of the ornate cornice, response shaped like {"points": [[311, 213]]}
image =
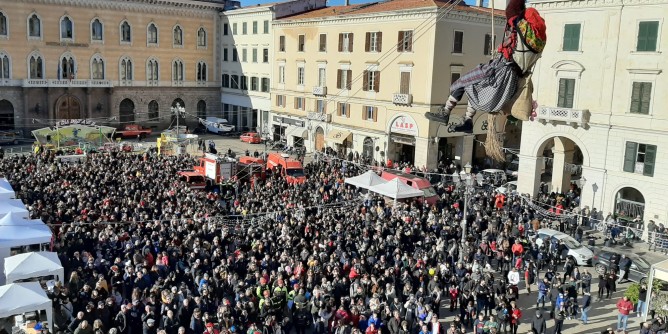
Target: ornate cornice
{"points": [[415, 14], [569, 4], [189, 8]]}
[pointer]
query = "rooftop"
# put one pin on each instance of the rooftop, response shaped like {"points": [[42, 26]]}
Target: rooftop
{"points": [[387, 6]]}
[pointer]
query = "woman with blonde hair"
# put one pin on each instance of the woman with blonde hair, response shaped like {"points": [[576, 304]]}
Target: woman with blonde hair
{"points": [[98, 327]]}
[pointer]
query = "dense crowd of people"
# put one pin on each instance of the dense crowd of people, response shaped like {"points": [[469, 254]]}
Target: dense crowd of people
{"points": [[145, 254]]}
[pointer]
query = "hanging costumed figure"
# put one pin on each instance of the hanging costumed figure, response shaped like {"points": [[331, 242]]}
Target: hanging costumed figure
{"points": [[502, 86]]}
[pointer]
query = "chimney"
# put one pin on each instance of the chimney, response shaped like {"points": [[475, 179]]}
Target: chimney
{"points": [[478, 3]]}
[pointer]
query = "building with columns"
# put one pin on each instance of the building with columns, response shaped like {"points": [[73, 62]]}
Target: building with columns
{"points": [[247, 55], [114, 61], [601, 115], [359, 78]]}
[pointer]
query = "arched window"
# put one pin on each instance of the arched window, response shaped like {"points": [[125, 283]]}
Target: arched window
{"points": [[178, 36], [66, 28], [177, 71], [96, 32], [152, 36], [201, 37], [36, 67], [126, 32], [4, 66], [126, 69], [34, 26], [201, 71], [152, 71], [201, 109], [153, 111], [97, 68], [67, 68], [3, 24]]}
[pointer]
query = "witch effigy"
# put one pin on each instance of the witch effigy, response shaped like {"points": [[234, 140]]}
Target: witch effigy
{"points": [[502, 87]]}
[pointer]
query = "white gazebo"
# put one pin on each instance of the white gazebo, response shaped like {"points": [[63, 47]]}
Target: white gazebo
{"points": [[33, 265], [13, 205], [366, 180], [19, 298], [16, 231], [396, 189], [657, 271], [6, 190]]}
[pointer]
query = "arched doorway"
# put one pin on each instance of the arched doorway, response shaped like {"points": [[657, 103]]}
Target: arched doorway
{"points": [[367, 149], [319, 139], [629, 203], [68, 107], [6, 115], [560, 166], [126, 111], [201, 109]]}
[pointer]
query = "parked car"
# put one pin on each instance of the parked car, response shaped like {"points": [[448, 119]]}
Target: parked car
{"points": [[639, 267], [10, 137], [582, 255], [251, 137], [508, 188], [495, 177]]}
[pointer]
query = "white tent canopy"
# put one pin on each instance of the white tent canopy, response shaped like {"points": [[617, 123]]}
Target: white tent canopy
{"points": [[13, 205], [6, 190], [19, 298], [16, 231], [396, 189], [366, 180], [33, 265]]}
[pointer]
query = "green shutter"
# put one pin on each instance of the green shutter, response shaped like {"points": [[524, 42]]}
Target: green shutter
{"points": [[630, 156], [561, 101], [571, 37], [570, 92], [635, 97], [645, 97], [650, 157], [648, 33]]}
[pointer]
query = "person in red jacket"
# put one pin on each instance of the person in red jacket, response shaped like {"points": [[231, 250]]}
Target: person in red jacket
{"points": [[624, 306], [515, 316], [454, 294], [517, 249]]}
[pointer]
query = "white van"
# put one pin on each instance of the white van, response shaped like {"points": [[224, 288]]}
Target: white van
{"points": [[582, 255], [218, 125]]}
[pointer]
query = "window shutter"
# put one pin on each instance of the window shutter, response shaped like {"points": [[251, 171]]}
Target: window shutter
{"points": [[338, 79], [367, 42], [350, 42], [338, 109], [295, 102], [347, 110], [409, 42], [630, 156], [375, 114], [404, 87], [645, 97], [400, 42], [635, 97], [364, 113], [561, 100], [365, 81], [379, 37], [376, 82], [324, 106], [349, 82], [650, 157], [340, 42], [570, 92], [652, 35], [283, 99]]}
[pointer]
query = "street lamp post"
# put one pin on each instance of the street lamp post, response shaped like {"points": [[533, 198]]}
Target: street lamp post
{"points": [[467, 181], [178, 110]]}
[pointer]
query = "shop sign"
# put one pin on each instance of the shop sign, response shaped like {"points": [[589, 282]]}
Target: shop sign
{"points": [[405, 125], [288, 121]]}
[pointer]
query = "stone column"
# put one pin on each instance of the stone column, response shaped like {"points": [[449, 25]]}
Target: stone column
{"points": [[466, 155], [426, 153], [88, 112], [528, 180], [561, 179]]}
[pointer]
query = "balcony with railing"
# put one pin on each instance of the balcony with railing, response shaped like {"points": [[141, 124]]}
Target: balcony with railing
{"points": [[403, 99], [320, 90], [570, 116], [66, 83]]}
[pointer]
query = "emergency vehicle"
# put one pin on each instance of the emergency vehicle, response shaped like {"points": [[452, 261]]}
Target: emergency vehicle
{"points": [[216, 169], [291, 169]]}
